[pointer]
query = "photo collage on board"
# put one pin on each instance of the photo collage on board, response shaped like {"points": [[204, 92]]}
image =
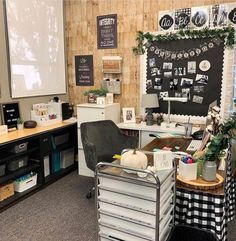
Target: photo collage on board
{"points": [[183, 73]]}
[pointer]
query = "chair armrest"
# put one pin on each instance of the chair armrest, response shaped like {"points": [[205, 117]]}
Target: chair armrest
{"points": [[90, 155]]}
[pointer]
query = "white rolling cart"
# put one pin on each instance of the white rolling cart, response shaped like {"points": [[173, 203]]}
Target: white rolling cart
{"points": [[131, 208]]}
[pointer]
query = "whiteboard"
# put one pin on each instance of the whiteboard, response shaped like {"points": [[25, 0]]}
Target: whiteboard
{"points": [[35, 30]]}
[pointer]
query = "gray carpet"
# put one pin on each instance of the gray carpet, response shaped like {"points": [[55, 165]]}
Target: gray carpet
{"points": [[60, 212]]}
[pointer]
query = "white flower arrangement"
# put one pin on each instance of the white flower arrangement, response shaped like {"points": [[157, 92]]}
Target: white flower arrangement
{"points": [[216, 121]]}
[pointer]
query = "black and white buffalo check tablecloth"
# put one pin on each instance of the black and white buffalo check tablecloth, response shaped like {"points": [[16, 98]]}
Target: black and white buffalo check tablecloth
{"points": [[205, 210]]}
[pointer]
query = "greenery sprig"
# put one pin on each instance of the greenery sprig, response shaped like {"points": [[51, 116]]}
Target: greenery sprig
{"points": [[98, 92], [145, 39], [221, 140]]}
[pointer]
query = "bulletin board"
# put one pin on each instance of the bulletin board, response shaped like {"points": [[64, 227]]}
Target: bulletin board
{"points": [[189, 68]]}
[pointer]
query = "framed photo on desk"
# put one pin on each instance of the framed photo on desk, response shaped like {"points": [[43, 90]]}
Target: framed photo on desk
{"points": [[128, 115]]}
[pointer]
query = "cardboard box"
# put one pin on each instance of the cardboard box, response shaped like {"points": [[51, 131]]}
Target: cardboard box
{"points": [[6, 190]]}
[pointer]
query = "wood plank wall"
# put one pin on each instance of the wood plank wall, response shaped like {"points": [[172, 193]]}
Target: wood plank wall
{"points": [[133, 15]]}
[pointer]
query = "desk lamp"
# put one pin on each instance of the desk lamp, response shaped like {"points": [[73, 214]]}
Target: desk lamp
{"points": [[149, 101], [169, 99]]}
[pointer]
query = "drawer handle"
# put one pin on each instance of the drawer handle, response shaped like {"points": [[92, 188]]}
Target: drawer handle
{"points": [[152, 135]]}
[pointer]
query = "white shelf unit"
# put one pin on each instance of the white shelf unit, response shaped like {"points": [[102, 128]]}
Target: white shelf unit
{"points": [[93, 112], [130, 208]]}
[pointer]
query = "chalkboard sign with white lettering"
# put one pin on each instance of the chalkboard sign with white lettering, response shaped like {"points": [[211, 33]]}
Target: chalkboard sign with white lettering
{"points": [[107, 31], [10, 113], [84, 70]]}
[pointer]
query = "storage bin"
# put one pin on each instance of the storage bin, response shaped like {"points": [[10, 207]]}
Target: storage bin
{"points": [[61, 139], [188, 171], [67, 157], [19, 147], [25, 182], [17, 163], [2, 169], [6, 190]]}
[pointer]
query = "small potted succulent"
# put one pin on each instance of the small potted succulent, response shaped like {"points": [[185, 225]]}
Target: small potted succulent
{"points": [[20, 124]]}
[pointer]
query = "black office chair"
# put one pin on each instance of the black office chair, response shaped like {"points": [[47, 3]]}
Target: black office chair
{"points": [[101, 140], [183, 232]]}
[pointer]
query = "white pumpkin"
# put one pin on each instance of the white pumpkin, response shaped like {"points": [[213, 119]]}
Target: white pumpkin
{"points": [[134, 159]]}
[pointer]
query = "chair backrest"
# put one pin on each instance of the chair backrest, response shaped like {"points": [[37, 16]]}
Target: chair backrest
{"points": [[101, 140]]}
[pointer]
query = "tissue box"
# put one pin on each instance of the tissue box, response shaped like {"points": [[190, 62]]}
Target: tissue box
{"points": [[188, 171]]}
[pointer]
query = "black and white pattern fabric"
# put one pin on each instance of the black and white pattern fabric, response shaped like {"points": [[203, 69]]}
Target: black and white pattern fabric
{"points": [[205, 210]]}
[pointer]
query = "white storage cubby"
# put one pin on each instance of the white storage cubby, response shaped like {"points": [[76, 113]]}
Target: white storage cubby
{"points": [[93, 112], [131, 208]]}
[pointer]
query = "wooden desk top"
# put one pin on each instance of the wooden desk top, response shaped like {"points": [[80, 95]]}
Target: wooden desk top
{"points": [[20, 134], [182, 144]]}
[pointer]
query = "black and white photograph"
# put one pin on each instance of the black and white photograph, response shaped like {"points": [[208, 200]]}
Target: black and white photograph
{"points": [[152, 62], [153, 71], [202, 79], [171, 84], [163, 94], [191, 67], [149, 84], [128, 115], [158, 81], [178, 94], [186, 93], [176, 81], [198, 89], [186, 82], [157, 87], [167, 65], [168, 74], [197, 99]]}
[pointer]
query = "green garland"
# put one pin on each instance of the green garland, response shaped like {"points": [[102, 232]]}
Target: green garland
{"points": [[144, 38]]}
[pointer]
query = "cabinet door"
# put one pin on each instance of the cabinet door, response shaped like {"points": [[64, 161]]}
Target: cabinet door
{"points": [[90, 114]]}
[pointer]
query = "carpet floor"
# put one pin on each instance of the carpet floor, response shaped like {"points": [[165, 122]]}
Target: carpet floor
{"points": [[60, 212]]}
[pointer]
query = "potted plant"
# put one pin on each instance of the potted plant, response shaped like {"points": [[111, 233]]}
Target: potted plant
{"points": [[215, 148], [94, 93], [20, 123]]}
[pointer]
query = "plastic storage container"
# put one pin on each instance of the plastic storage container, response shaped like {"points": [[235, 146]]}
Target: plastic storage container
{"points": [[67, 157], [19, 147], [61, 139], [17, 163], [188, 171], [25, 182], [188, 233]]}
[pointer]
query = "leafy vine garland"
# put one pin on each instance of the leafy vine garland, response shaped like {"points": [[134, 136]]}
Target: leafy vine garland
{"points": [[144, 39]]}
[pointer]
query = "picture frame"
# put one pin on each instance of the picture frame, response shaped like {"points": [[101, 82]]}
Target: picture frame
{"points": [[128, 115]]}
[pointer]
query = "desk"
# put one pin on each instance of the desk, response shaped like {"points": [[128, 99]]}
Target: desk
{"points": [[211, 209], [147, 133]]}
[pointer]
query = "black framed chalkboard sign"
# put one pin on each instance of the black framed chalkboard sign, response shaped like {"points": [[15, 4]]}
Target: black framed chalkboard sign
{"points": [[10, 112], [191, 68]]}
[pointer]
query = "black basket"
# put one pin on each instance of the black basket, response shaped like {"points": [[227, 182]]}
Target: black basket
{"points": [[189, 233]]}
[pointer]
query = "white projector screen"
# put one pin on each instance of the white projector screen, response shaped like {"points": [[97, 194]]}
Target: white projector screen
{"points": [[36, 47]]}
